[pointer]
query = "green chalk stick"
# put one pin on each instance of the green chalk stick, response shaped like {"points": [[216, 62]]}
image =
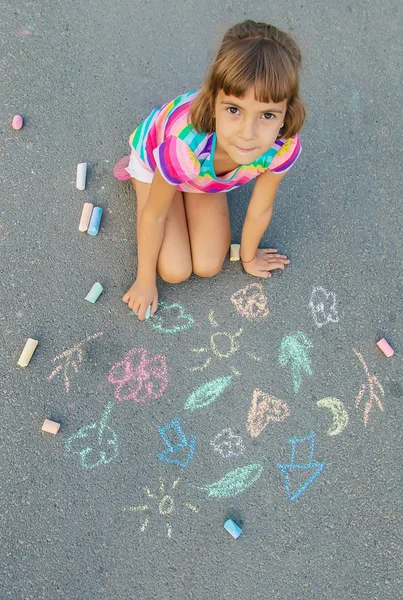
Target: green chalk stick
{"points": [[94, 292]]}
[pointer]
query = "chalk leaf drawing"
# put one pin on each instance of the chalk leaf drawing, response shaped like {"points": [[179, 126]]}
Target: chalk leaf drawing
{"points": [[251, 302], [207, 393], [166, 505], [265, 408], [368, 389], [171, 318], [71, 358], [184, 446], [323, 306], [294, 470], [339, 413], [139, 377], [228, 444], [100, 441], [234, 482], [294, 351]]}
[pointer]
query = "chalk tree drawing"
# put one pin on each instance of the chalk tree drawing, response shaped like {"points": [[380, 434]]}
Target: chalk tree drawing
{"points": [[165, 506], [339, 413], [171, 318], [251, 302], [369, 389], [294, 351], [172, 452], [207, 393], [228, 444], [139, 377], [96, 436], [265, 408], [323, 306], [234, 482], [71, 358], [312, 469]]}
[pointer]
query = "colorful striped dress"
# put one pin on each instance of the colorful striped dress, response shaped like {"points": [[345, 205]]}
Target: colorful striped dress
{"points": [[186, 158]]}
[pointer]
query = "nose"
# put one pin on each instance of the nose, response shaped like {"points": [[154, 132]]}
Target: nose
{"points": [[248, 131]]}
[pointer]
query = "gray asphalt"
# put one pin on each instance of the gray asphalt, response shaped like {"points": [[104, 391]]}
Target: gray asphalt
{"points": [[117, 521]]}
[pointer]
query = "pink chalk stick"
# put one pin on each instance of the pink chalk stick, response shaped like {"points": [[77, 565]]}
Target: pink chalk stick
{"points": [[386, 349], [17, 122], [85, 216]]}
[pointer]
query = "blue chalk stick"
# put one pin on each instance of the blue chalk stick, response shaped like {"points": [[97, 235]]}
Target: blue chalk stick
{"points": [[232, 528], [95, 222]]}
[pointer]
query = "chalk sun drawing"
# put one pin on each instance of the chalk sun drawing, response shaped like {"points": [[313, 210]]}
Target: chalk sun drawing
{"points": [[369, 389], [102, 435], [265, 409], [165, 506], [323, 306], [139, 377], [312, 469], [294, 351], [251, 302], [207, 393], [234, 482], [228, 444], [339, 414], [173, 451], [72, 357], [171, 313]]}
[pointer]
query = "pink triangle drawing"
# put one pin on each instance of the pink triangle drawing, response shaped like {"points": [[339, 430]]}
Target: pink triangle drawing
{"points": [[265, 408]]}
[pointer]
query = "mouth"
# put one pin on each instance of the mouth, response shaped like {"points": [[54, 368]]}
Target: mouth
{"points": [[245, 150]]}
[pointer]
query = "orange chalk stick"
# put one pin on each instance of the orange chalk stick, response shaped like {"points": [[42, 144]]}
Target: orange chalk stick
{"points": [[386, 349], [85, 216], [50, 427], [234, 252], [27, 353]]}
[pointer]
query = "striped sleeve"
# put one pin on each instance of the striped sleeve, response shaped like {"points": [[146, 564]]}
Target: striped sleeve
{"points": [[176, 161], [286, 155]]}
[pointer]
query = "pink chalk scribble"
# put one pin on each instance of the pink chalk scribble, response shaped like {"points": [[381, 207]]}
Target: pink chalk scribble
{"points": [[138, 377], [251, 302]]}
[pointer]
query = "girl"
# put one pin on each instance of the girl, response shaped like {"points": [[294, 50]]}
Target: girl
{"points": [[243, 124]]}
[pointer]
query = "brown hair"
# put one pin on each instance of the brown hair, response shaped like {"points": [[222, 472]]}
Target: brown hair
{"points": [[253, 55]]}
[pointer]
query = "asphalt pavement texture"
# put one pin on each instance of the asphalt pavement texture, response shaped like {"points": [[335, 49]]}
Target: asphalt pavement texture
{"points": [[270, 405]]}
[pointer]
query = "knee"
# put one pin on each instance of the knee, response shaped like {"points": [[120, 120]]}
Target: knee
{"points": [[175, 274], [207, 268]]}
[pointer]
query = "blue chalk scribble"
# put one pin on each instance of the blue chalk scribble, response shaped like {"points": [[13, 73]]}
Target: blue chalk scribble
{"points": [[314, 468], [172, 449]]}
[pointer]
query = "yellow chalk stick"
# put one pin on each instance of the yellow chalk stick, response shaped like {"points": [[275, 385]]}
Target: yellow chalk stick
{"points": [[50, 426], [234, 252], [27, 353], [85, 216]]}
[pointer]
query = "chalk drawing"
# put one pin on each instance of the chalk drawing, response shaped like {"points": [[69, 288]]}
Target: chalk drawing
{"points": [[228, 444], [171, 313], [165, 506], [234, 482], [294, 350], [339, 413], [101, 434], [139, 377], [312, 469], [73, 357], [251, 302], [207, 393], [265, 408], [323, 306], [170, 455], [369, 389]]}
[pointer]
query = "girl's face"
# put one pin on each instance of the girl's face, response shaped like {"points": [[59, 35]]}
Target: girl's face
{"points": [[246, 128]]}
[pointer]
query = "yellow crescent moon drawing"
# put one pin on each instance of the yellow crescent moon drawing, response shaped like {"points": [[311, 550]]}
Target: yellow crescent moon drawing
{"points": [[340, 415]]}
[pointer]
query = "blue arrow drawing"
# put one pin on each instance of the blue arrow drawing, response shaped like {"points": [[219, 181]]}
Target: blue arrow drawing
{"points": [[315, 468], [172, 449]]}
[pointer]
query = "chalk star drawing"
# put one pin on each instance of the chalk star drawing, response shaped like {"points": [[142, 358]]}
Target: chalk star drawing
{"points": [[105, 435], [251, 302], [72, 361], [174, 449], [139, 377], [234, 482], [165, 506], [323, 306], [228, 444], [369, 388], [265, 408], [167, 312], [294, 350], [339, 413], [315, 468]]}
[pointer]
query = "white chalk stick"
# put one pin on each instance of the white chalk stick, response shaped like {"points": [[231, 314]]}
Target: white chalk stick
{"points": [[81, 175], [234, 252], [27, 353], [50, 426]]}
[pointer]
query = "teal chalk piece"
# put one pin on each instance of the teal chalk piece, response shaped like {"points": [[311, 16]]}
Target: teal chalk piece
{"points": [[234, 482], [93, 227], [169, 455], [311, 469], [207, 393], [294, 351], [232, 528], [94, 293]]}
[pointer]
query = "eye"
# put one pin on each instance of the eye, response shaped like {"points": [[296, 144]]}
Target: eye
{"points": [[270, 116], [231, 108]]}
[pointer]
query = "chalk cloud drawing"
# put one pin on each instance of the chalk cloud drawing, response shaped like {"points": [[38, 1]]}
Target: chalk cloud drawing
{"points": [[228, 444], [139, 377], [323, 306], [207, 393], [96, 436], [294, 351], [166, 505], [369, 388], [311, 469], [170, 455], [265, 409], [171, 318], [71, 358], [234, 482], [251, 302], [339, 413]]}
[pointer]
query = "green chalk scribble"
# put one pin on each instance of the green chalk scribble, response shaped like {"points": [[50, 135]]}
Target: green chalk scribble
{"points": [[207, 393], [234, 482], [294, 350]]}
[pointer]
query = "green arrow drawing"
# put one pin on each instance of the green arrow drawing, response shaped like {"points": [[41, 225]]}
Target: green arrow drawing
{"points": [[294, 351]]}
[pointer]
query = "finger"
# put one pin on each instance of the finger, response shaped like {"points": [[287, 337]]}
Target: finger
{"points": [[126, 297], [154, 307], [272, 255], [270, 250]]}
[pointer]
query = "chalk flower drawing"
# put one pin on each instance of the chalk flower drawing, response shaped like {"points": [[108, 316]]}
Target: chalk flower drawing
{"points": [[251, 302], [171, 318], [165, 506], [228, 444], [234, 482], [312, 469], [172, 454], [294, 350], [339, 413], [323, 306], [72, 357], [369, 389], [207, 393], [139, 377], [265, 408], [96, 436]]}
